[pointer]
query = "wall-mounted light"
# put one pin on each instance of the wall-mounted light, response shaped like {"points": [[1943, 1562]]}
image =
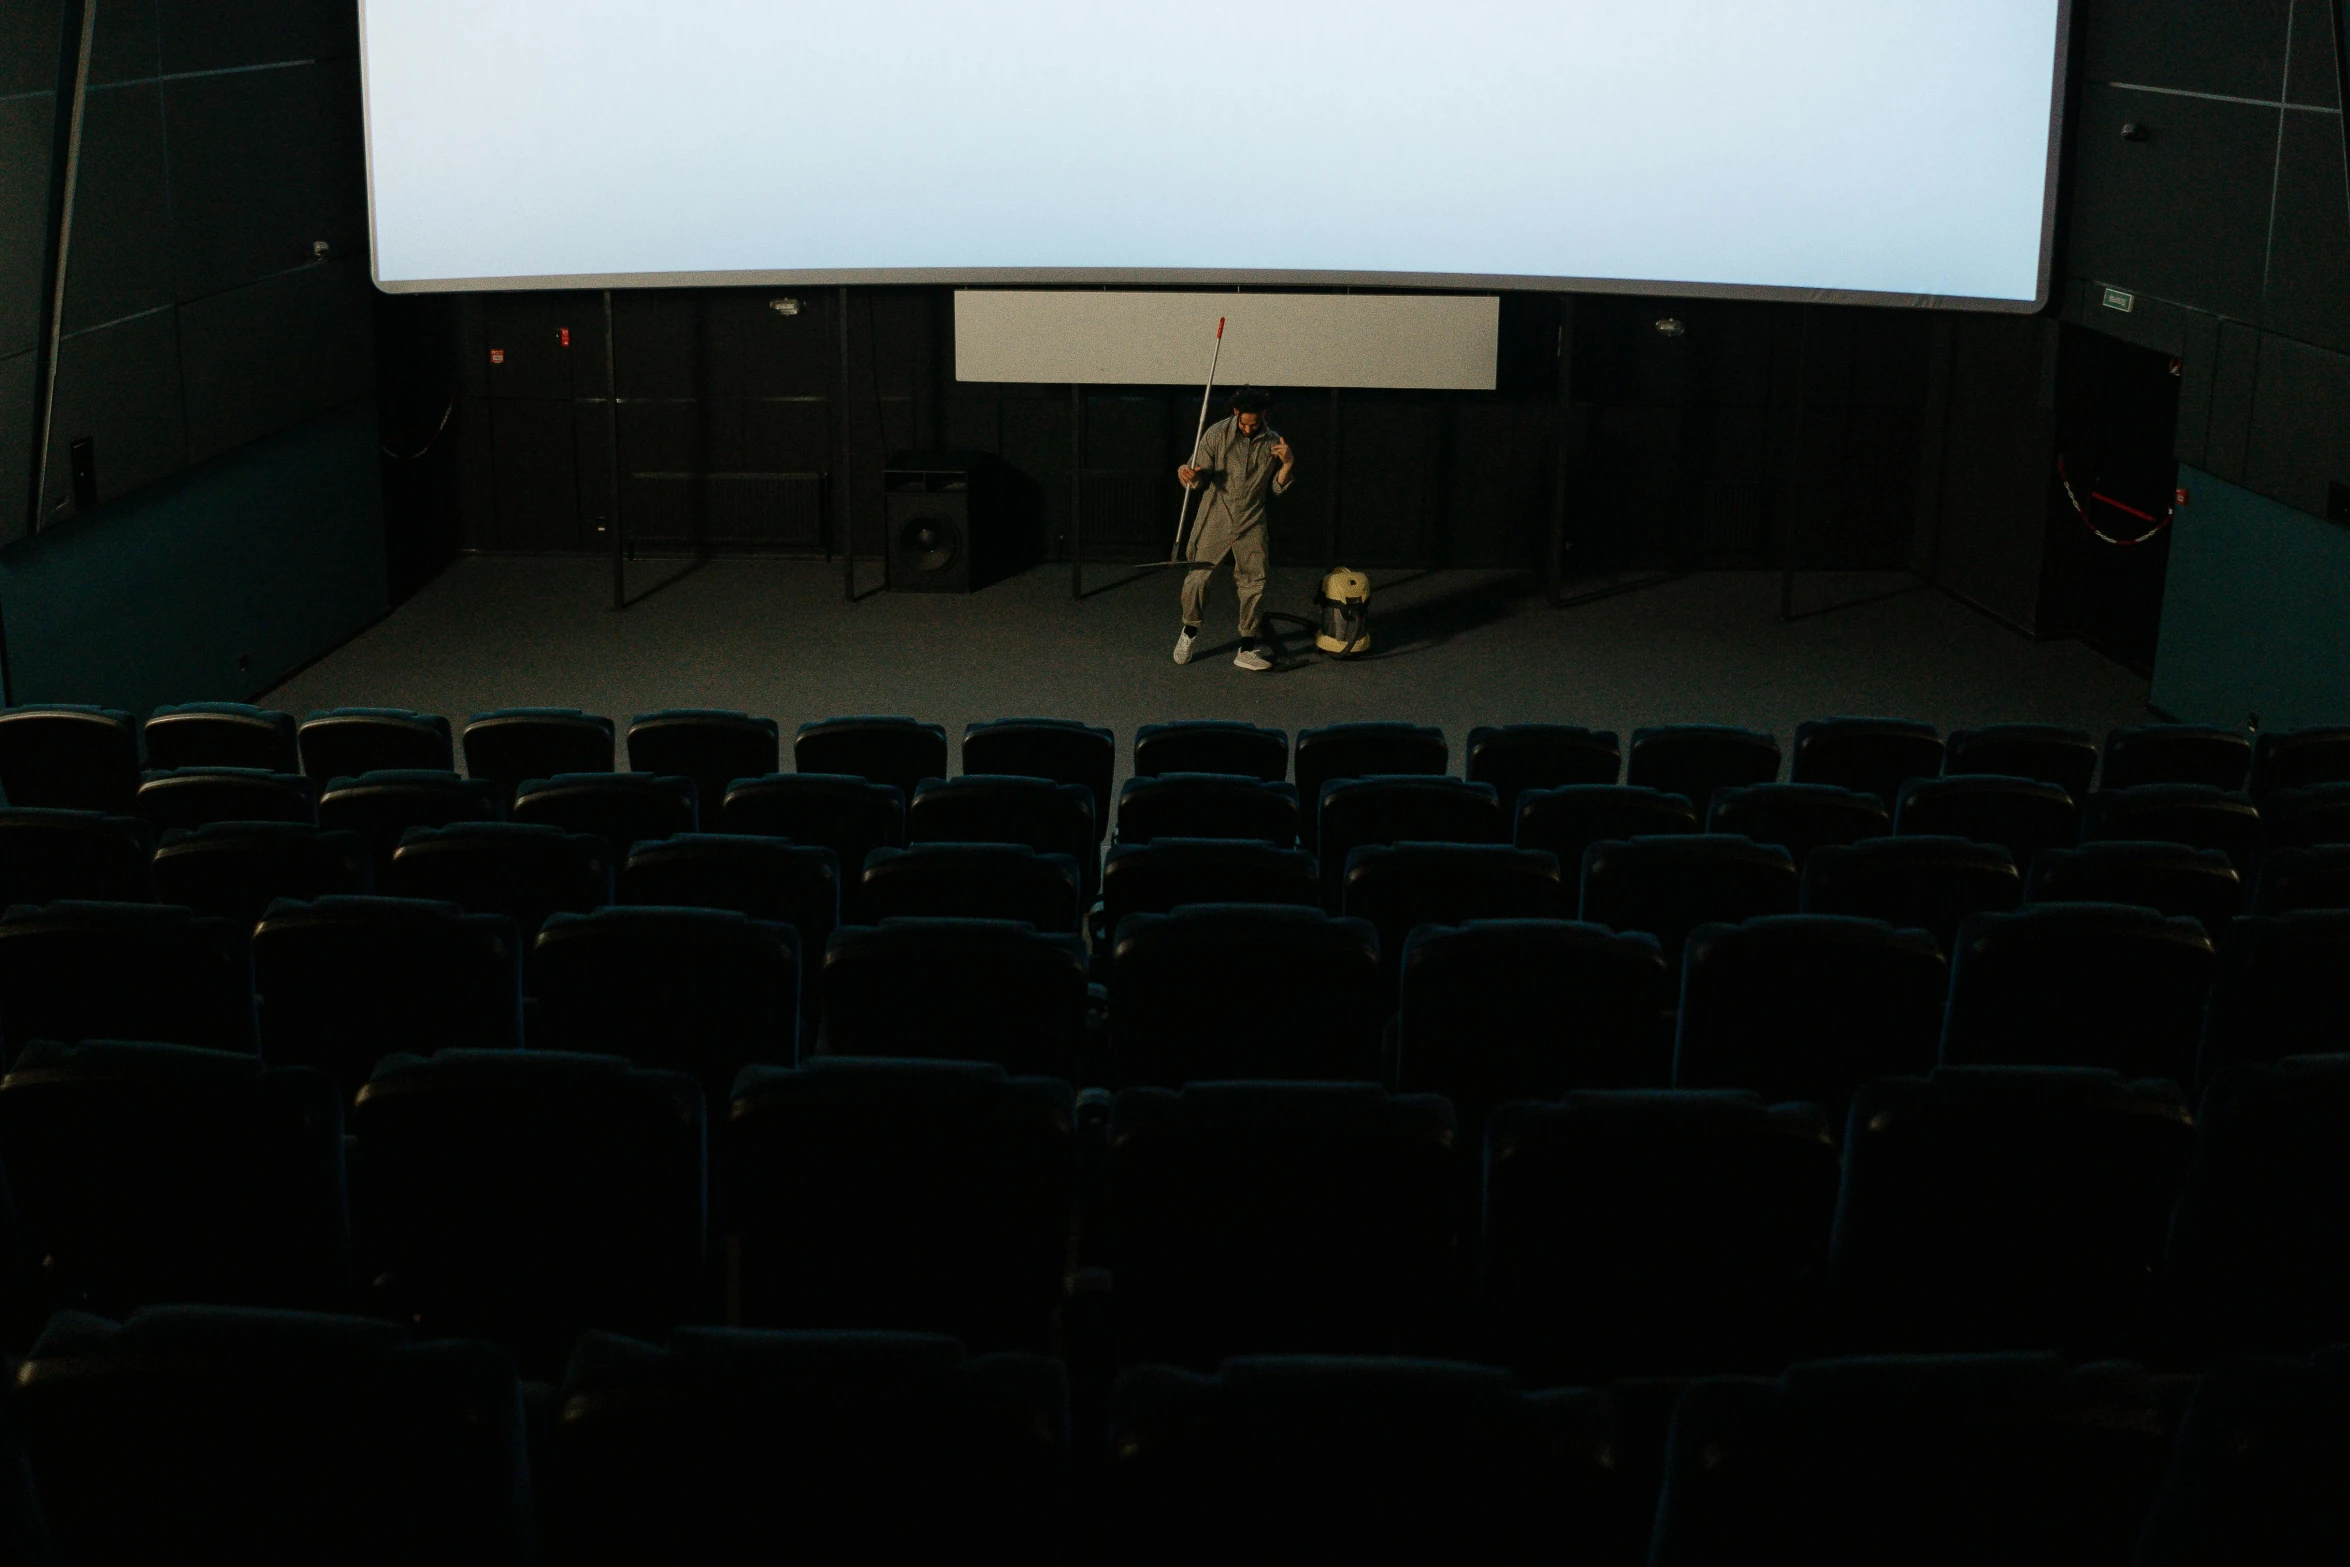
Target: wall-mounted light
{"points": [[784, 307], [319, 248], [2133, 131], [1672, 326]]}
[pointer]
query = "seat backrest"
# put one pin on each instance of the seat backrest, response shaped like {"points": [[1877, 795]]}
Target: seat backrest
{"points": [[1211, 745], [2078, 984], [1207, 805], [1986, 1207], [47, 854], [2021, 815], [847, 815], [1397, 809], [2292, 879], [2047, 753], [1655, 1233], [999, 881], [1668, 886], [1808, 1007], [901, 752], [1233, 990], [524, 872], [957, 990], [712, 747], [382, 806], [623, 809], [2193, 814], [1051, 818], [703, 1449], [70, 758], [2200, 884], [1877, 755], [347, 742], [1338, 751], [1693, 760], [1399, 886], [72, 971], [1931, 883], [1572, 818], [273, 1433], [2176, 753], [199, 796], [146, 1174], [2312, 815], [1061, 749], [221, 734], [515, 743], [1165, 873], [2256, 1473], [1517, 757], [346, 981], [236, 870], [1798, 817], [906, 1195], [765, 878], [2296, 758], [2281, 988]]}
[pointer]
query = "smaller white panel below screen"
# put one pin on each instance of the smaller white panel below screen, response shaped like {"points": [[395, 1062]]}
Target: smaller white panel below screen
{"points": [[1417, 341]]}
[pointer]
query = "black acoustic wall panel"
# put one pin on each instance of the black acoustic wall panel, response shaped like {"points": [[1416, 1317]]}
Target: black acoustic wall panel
{"points": [[536, 475], [118, 387], [258, 358], [120, 260], [2183, 212], [2237, 49], [248, 199], [205, 35], [2308, 283], [26, 118], [2299, 445]]}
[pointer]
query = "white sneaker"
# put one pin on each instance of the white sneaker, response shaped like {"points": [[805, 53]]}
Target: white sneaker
{"points": [[1183, 641], [1250, 658]]}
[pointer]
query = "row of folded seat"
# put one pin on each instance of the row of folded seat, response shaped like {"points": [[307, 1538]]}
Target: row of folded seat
{"points": [[286, 1438]]}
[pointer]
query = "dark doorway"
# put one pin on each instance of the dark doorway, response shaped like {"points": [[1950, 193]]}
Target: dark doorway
{"points": [[2117, 413]]}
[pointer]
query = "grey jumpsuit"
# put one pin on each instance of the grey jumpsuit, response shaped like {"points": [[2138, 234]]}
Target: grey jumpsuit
{"points": [[1237, 473]]}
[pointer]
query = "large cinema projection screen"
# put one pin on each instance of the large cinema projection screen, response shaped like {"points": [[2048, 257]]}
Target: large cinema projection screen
{"points": [[1869, 151]]}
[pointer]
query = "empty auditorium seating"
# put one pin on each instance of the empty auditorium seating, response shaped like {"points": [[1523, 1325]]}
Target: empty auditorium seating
{"points": [[926, 1195], [765, 878], [997, 881], [346, 981], [1808, 1007], [199, 796], [1061, 749], [524, 1196], [2021, 815], [47, 854], [706, 992], [72, 971], [221, 734], [2257, 1472], [712, 747], [2308, 817], [897, 751], [70, 758], [2296, 758], [1517, 757], [1165, 873], [1927, 882], [1875, 755], [2078, 984], [1655, 1233], [2281, 988], [733, 1445], [1338, 751], [1493, 1010], [1360, 812], [1207, 805], [1570, 819], [2176, 753], [1399, 886], [958, 990], [1668, 886], [1051, 818], [524, 872], [347, 742], [623, 809], [2293, 879], [2046, 753], [847, 815], [1693, 760], [1231, 990], [515, 743], [1265, 1217], [382, 806], [2008, 1207], [2193, 814], [2200, 884], [1946, 1461], [2256, 1263], [147, 1174], [238, 869], [273, 1437], [1329, 1458], [1799, 817], [1211, 745]]}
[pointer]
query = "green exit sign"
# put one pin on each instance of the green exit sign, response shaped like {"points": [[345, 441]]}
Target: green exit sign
{"points": [[2121, 300]]}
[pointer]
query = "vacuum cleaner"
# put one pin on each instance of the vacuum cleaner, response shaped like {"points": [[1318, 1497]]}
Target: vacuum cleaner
{"points": [[1345, 605]]}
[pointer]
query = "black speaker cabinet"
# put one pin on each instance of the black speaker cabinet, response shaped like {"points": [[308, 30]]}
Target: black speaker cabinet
{"points": [[937, 506]]}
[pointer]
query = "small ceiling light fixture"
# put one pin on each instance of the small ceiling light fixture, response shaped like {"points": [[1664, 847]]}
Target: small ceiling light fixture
{"points": [[784, 307], [1671, 326]]}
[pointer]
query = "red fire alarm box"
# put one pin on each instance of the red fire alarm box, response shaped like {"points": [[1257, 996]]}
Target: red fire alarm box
{"points": [[497, 356]]}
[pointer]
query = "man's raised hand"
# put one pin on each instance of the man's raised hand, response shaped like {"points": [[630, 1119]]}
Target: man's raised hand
{"points": [[1282, 453]]}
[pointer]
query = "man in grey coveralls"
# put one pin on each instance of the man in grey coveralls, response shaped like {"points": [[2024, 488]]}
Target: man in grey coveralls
{"points": [[1240, 462]]}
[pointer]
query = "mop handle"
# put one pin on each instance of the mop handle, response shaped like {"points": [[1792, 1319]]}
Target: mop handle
{"points": [[1183, 505]]}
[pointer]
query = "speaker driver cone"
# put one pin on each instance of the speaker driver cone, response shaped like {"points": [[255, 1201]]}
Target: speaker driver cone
{"points": [[929, 543]]}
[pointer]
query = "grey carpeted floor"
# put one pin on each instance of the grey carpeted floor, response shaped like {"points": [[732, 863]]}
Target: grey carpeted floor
{"points": [[1454, 648]]}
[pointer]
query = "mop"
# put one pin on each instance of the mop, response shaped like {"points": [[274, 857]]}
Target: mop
{"points": [[1183, 506]]}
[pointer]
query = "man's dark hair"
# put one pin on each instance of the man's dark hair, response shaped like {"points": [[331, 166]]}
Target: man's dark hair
{"points": [[1251, 400]]}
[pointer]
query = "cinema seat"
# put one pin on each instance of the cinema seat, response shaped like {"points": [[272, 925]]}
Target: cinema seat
{"points": [[1165, 873], [2198, 884], [2297, 758], [1062, 749], [2046, 753], [1655, 1233], [516, 743], [1364, 812], [147, 1174], [1798, 817], [1334, 1458], [712, 747], [1051, 818], [73, 971], [847, 815], [2176, 753], [199, 796], [1930, 883], [2308, 817], [2078, 984], [48, 854], [1998, 1207], [2196, 815], [1572, 818], [1693, 760], [1245, 990], [994, 881], [2281, 988], [623, 809], [1517, 757], [524, 1196], [1207, 805], [524, 872], [346, 981], [900, 752], [705, 992], [1668, 886], [221, 734], [725, 1444], [2294, 879], [382, 806], [1398, 887], [2256, 1475], [763, 878], [1211, 745], [1808, 1007], [935, 1196], [349, 742], [236, 870], [1940, 1461], [274, 1437], [2021, 815], [1368, 750], [1250, 1218], [69, 758], [959, 990], [1874, 755]]}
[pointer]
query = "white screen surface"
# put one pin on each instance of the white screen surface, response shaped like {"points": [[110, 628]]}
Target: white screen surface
{"points": [[1820, 148]]}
